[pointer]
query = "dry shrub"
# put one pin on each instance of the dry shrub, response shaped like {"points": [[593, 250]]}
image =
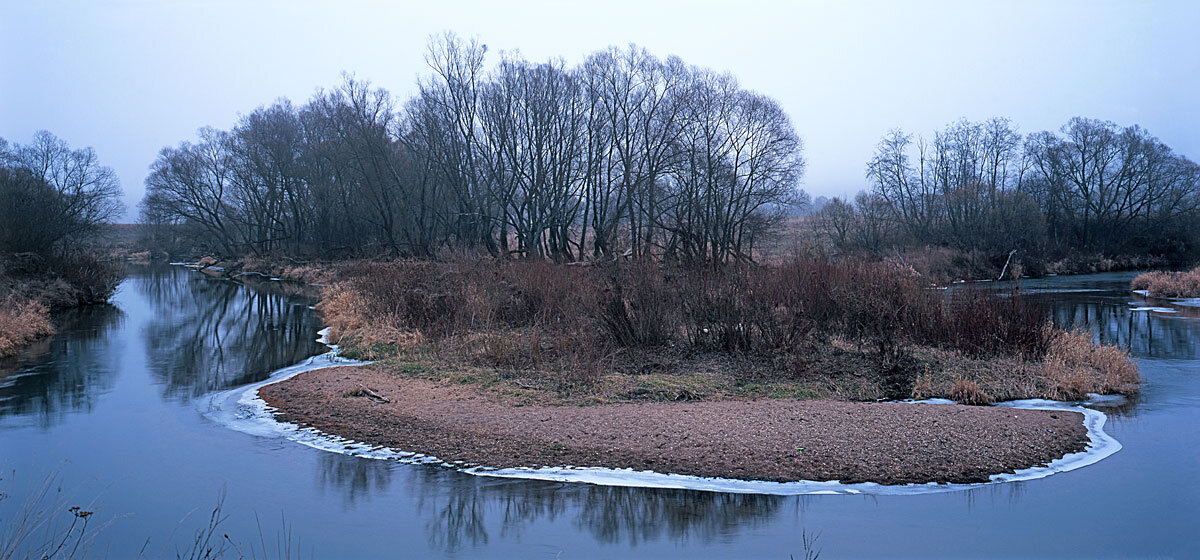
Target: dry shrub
{"points": [[1169, 284], [942, 265], [1075, 366], [923, 386], [90, 279], [536, 315], [966, 391], [768, 309], [21, 322], [982, 323], [343, 310], [638, 305], [1082, 263]]}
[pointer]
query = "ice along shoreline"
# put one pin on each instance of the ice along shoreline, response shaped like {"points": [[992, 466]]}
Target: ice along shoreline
{"points": [[242, 409]]}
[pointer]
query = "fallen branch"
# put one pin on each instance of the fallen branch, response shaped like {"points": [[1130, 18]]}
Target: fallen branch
{"points": [[1004, 270], [373, 394]]}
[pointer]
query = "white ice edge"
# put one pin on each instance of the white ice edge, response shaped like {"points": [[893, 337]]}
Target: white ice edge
{"points": [[1186, 302], [243, 410], [1136, 307]]}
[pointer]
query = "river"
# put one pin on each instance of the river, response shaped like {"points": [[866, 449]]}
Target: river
{"points": [[109, 406]]}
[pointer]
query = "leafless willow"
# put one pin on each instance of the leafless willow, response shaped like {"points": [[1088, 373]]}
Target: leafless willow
{"points": [[624, 154]]}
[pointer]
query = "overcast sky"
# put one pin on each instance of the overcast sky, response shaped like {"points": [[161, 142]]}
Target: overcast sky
{"points": [[130, 77]]}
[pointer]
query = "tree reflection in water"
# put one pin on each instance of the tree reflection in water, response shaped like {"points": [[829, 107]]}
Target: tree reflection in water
{"points": [[64, 373], [634, 515], [464, 511], [358, 478], [1147, 334], [210, 334]]}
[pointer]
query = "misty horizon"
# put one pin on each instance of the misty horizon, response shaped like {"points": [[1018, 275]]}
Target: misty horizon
{"points": [[132, 78]]}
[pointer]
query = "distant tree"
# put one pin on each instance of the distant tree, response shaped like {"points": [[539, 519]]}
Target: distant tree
{"points": [[51, 195], [818, 204], [1103, 186], [625, 154], [835, 221]]}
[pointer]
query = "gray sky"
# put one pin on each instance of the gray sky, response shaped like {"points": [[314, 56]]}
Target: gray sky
{"points": [[130, 77]]}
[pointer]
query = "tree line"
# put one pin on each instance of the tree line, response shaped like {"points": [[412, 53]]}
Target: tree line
{"points": [[625, 153], [53, 196], [1092, 186]]}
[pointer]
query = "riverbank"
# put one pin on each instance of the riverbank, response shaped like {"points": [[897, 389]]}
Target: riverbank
{"points": [[765, 439], [698, 372], [1182, 284], [32, 288]]}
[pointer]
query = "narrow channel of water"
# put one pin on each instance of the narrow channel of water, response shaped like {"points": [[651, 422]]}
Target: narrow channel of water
{"points": [[110, 405]]}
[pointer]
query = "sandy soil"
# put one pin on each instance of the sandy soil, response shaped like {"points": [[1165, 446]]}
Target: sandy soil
{"points": [[783, 440]]}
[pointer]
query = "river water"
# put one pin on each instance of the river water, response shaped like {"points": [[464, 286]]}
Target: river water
{"points": [[109, 406]]}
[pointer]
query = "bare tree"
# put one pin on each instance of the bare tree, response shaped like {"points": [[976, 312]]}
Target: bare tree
{"points": [[86, 193]]}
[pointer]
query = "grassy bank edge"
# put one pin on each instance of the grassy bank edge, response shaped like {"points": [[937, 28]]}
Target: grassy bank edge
{"points": [[1181, 284], [1075, 368], [499, 364]]}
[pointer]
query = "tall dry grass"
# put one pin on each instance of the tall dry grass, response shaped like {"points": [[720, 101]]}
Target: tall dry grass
{"points": [[22, 321], [1184, 284], [31, 286], [1076, 366]]}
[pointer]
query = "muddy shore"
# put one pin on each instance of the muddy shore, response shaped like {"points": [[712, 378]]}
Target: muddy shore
{"points": [[769, 439]]}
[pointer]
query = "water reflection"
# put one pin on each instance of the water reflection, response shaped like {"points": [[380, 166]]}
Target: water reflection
{"points": [[1147, 334], [356, 477], [209, 334], [632, 515], [460, 511], [63, 373]]}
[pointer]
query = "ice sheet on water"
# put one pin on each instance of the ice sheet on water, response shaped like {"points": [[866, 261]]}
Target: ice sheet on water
{"points": [[1151, 308]]}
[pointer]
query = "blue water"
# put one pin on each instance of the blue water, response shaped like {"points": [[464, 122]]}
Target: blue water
{"points": [[108, 407]]}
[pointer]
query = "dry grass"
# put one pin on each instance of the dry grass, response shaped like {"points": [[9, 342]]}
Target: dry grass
{"points": [[21, 322], [805, 328], [966, 391], [1169, 284], [31, 287], [1077, 366]]}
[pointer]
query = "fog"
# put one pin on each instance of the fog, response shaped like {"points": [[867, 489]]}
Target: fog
{"points": [[128, 78]]}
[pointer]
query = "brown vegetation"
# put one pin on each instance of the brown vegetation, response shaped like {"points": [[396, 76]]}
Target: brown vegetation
{"points": [[31, 287], [808, 327], [966, 391], [1169, 284], [22, 321]]}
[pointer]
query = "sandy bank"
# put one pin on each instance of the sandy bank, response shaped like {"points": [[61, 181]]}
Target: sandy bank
{"points": [[781, 440]]}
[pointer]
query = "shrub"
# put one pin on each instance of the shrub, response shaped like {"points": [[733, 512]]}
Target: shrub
{"points": [[1075, 366], [93, 280], [982, 323], [1169, 284], [582, 320], [22, 321], [966, 391]]}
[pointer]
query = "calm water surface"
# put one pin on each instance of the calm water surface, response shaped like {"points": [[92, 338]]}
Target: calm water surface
{"points": [[109, 404]]}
